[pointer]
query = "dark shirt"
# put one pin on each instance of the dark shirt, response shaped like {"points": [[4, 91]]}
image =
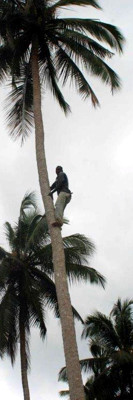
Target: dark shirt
{"points": [[61, 184]]}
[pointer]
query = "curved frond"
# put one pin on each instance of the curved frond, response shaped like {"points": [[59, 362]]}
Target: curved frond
{"points": [[100, 326], [63, 393], [36, 309], [66, 3], [20, 116], [8, 315], [10, 235], [93, 364], [82, 246], [51, 76], [68, 69], [3, 253], [63, 375], [77, 315], [5, 62], [102, 31], [122, 314], [29, 201], [81, 272], [92, 63], [38, 233], [88, 42]]}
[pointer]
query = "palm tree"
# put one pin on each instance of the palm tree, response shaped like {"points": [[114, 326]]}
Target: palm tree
{"points": [[26, 280], [114, 334], [39, 48], [111, 347]]}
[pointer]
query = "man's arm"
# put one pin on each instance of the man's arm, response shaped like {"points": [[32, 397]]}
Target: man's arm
{"points": [[58, 183], [53, 186]]}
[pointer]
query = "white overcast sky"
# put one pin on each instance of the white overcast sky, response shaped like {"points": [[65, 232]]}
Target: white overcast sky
{"points": [[95, 147]]}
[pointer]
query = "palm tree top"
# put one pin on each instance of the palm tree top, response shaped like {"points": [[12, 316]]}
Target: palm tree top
{"points": [[68, 49], [29, 240]]}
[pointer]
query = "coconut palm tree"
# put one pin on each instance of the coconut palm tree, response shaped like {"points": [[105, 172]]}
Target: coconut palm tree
{"points": [[115, 336], [39, 48], [111, 347], [26, 280]]}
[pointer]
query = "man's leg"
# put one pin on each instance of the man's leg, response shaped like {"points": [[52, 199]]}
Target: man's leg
{"points": [[61, 202]]}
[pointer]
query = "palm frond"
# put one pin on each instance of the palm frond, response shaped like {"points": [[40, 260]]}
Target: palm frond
{"points": [[68, 69], [63, 375], [90, 43], [8, 315], [48, 290], [122, 308], [36, 310], [63, 393], [5, 62], [82, 246], [3, 253], [29, 202], [102, 31], [10, 235], [20, 117], [100, 326], [122, 314], [4, 270], [77, 315], [94, 363], [37, 234], [51, 76], [66, 3], [92, 63], [83, 273]]}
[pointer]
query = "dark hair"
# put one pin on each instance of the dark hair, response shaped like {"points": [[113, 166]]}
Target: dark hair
{"points": [[59, 168]]}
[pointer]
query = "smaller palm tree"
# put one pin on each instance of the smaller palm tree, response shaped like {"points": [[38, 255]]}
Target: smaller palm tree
{"points": [[26, 280], [111, 346], [114, 335]]}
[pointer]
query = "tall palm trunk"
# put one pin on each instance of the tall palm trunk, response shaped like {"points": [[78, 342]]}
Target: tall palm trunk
{"points": [[23, 359], [68, 330]]}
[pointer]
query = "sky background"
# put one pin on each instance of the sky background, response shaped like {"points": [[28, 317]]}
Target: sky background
{"points": [[95, 148]]}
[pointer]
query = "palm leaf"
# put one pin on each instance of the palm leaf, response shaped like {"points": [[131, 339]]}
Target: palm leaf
{"points": [[68, 69], [63, 393], [66, 3], [5, 62], [51, 76], [28, 202], [8, 315], [100, 326], [20, 117], [81, 272], [10, 235], [90, 43], [37, 233], [3, 253], [108, 33], [93, 363], [92, 63], [82, 246]]}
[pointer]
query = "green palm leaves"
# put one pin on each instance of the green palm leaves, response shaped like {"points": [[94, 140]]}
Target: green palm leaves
{"points": [[111, 347], [26, 274], [67, 49], [113, 336]]}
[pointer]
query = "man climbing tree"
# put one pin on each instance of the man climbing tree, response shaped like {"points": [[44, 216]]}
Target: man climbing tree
{"points": [[61, 186]]}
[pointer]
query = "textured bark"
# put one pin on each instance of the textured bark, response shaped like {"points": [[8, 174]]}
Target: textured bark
{"points": [[65, 309], [23, 362]]}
